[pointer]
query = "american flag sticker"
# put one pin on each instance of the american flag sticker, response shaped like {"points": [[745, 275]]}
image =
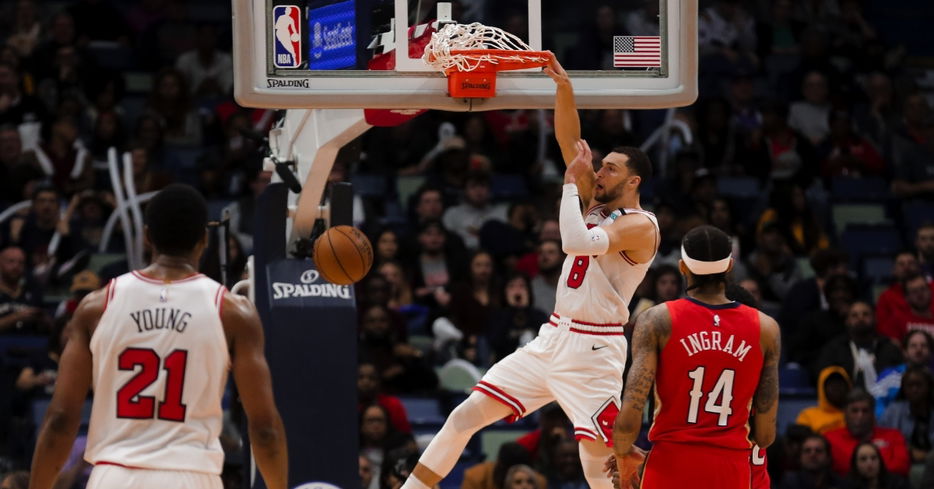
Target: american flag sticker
{"points": [[637, 51]]}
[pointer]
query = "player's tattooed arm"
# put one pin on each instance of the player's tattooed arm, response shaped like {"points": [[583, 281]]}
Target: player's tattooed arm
{"points": [[765, 401], [651, 332]]}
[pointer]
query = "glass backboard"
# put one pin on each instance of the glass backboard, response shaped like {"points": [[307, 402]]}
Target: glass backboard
{"points": [[345, 53]]}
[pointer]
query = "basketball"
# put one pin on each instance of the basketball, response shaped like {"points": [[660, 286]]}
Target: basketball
{"points": [[343, 255]]}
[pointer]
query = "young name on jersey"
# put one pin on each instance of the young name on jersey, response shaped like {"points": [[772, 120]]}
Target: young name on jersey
{"points": [[160, 318]]}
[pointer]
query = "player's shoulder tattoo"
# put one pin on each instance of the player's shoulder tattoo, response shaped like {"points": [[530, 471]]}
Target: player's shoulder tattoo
{"points": [[654, 324]]}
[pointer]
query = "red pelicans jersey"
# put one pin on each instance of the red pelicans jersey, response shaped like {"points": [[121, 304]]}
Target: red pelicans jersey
{"points": [[160, 365], [707, 375], [597, 289]]}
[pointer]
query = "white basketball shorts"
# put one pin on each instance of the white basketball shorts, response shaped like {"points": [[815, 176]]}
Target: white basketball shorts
{"points": [[107, 476], [578, 364]]}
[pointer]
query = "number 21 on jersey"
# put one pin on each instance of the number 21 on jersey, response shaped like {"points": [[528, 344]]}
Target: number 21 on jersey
{"points": [[130, 404], [718, 400]]}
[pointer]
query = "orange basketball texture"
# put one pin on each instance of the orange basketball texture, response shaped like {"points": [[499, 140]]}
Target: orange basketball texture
{"points": [[343, 255]]}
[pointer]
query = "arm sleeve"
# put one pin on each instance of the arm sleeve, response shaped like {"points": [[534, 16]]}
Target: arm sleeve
{"points": [[576, 239]]}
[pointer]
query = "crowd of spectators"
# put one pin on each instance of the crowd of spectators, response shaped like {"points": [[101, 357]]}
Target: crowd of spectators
{"points": [[812, 147]]}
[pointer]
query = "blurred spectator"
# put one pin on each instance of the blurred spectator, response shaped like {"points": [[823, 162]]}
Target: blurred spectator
{"points": [[779, 33], [90, 217], [516, 322], [911, 412], [594, 51], [794, 218], [815, 471], [833, 385], [68, 74], [493, 474], [553, 427], [366, 473], [42, 234], [861, 427], [727, 30], [83, 283], [15, 480], [398, 465], [37, 379], [472, 301], [847, 153], [523, 477], [919, 352], [209, 72], [99, 20], [16, 107], [65, 160], [716, 135], [918, 315], [17, 167], [435, 265], [400, 365], [377, 435], [781, 153], [427, 203], [924, 243], [108, 133], [868, 470], [773, 264], [892, 300], [466, 219], [61, 33], [818, 328], [567, 472], [861, 351], [877, 118], [387, 246], [369, 391], [721, 217], [26, 29], [914, 175], [807, 296], [20, 298], [400, 289], [171, 103], [545, 284], [643, 21], [810, 116], [242, 211], [147, 177]]}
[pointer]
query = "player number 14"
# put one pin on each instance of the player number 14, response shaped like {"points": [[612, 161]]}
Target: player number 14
{"points": [[718, 400]]}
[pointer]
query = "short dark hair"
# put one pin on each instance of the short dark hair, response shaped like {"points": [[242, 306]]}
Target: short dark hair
{"points": [[638, 162], [44, 187], [177, 218], [859, 395], [927, 337], [911, 278], [818, 436], [824, 260], [707, 243]]}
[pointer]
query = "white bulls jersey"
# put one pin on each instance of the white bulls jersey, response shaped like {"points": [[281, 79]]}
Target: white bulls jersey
{"points": [[160, 364], [597, 289]]}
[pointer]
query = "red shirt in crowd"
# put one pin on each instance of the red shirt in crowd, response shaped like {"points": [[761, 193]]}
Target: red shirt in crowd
{"points": [[890, 441]]}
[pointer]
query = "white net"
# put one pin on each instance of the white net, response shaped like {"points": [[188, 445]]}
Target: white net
{"points": [[476, 36]]}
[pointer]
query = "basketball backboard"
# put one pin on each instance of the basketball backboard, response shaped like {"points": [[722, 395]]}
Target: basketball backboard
{"points": [[318, 53]]}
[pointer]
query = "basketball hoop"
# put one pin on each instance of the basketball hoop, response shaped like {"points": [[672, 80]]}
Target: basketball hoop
{"points": [[471, 54]]}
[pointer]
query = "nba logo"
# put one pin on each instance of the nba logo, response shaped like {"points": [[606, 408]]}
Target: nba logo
{"points": [[287, 29]]}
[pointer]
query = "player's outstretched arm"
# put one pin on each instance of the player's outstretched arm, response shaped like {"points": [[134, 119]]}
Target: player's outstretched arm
{"points": [[251, 373], [567, 120], [765, 401], [651, 332], [63, 417]]}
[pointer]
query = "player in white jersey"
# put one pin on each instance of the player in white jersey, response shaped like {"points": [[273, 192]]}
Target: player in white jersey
{"points": [[156, 345], [579, 355]]}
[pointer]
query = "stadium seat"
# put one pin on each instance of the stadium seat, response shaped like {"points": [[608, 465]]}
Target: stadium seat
{"points": [[738, 187], [19, 351], [789, 407], [794, 380], [847, 214], [916, 214], [458, 375], [455, 478], [491, 440], [860, 241], [878, 269], [406, 186], [370, 185], [508, 187], [423, 410], [866, 189]]}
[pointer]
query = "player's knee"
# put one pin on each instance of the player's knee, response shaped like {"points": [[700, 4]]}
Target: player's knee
{"points": [[476, 412]]}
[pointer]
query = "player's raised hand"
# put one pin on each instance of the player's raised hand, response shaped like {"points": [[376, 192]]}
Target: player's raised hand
{"points": [[556, 71], [580, 170]]}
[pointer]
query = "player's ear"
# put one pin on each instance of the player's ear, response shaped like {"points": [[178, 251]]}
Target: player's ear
{"points": [[635, 180], [683, 268]]}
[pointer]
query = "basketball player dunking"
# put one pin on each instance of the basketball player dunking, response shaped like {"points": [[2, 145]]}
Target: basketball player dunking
{"points": [[713, 361], [579, 355], [156, 345]]}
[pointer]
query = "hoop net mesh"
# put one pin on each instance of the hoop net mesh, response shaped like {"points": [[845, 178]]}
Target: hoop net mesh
{"points": [[467, 47]]}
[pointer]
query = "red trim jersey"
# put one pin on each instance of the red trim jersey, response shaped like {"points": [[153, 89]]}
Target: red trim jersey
{"points": [[707, 375], [160, 364]]}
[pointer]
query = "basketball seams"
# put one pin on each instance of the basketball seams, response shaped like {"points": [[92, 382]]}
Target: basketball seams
{"points": [[357, 244], [337, 257]]}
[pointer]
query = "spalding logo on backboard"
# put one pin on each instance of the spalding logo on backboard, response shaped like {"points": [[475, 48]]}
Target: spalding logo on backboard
{"points": [[287, 31]]}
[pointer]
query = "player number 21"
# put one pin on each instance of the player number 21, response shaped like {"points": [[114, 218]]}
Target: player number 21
{"points": [[132, 405], [718, 400]]}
